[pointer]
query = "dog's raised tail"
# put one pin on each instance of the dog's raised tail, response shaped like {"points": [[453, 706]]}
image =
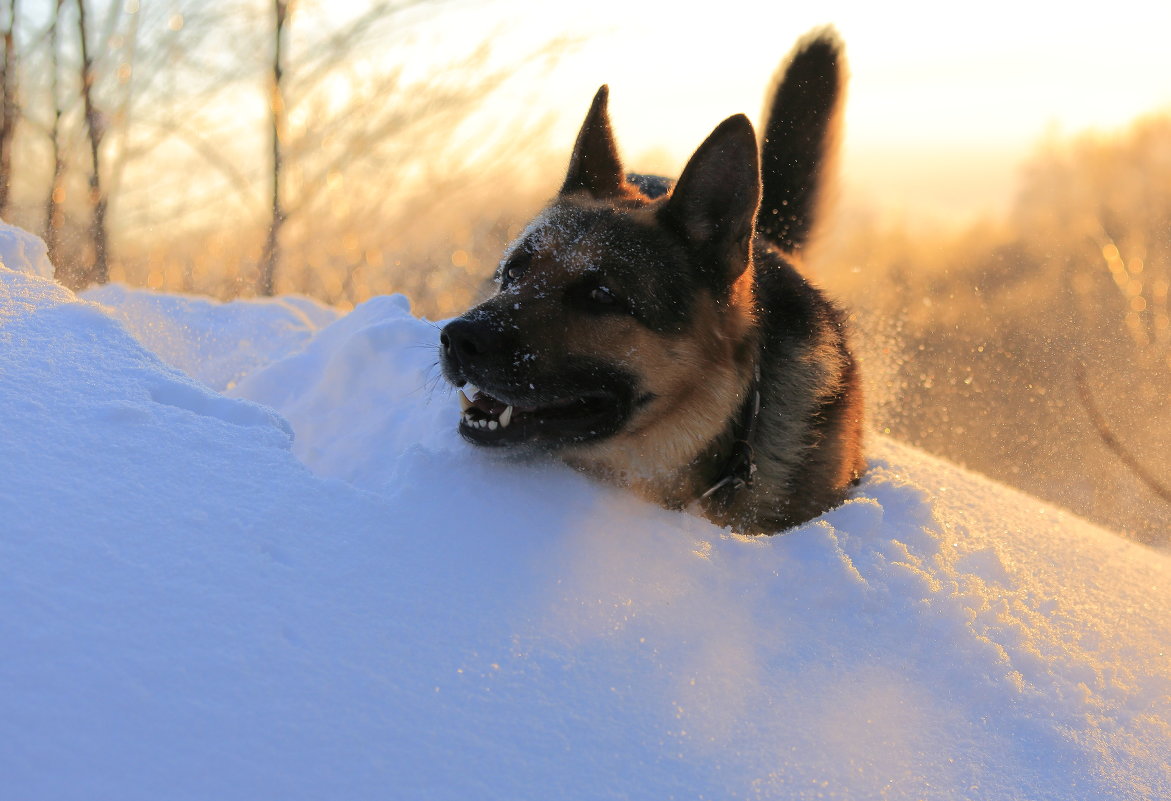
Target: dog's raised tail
{"points": [[800, 138]]}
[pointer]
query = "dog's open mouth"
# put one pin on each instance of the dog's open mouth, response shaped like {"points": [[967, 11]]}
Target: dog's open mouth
{"points": [[486, 420]]}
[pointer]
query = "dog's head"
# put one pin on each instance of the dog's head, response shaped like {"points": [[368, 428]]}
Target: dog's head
{"points": [[619, 319]]}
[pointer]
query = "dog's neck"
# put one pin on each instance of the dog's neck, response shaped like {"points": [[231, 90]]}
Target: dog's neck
{"points": [[740, 463], [679, 477]]}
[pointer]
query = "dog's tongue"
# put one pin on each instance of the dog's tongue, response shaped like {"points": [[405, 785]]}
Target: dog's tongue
{"points": [[492, 407], [488, 404]]}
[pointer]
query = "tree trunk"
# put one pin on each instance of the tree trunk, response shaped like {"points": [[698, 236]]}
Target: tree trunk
{"points": [[99, 272], [270, 258], [55, 198], [9, 86]]}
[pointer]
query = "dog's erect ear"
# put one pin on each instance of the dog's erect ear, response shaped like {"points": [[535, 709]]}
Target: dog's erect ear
{"points": [[715, 201], [594, 166]]}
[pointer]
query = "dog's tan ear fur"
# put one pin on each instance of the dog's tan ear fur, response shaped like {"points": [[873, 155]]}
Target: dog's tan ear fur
{"points": [[595, 166], [714, 204]]}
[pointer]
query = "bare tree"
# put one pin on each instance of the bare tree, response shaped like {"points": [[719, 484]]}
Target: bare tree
{"points": [[99, 271], [131, 98], [393, 125], [9, 105], [55, 194], [276, 102]]}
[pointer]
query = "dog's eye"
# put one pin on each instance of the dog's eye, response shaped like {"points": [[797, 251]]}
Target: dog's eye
{"points": [[515, 268], [602, 295]]}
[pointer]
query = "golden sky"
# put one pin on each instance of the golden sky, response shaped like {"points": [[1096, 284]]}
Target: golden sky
{"points": [[945, 98]]}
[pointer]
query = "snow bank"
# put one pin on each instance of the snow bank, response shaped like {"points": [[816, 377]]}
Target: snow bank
{"points": [[23, 252], [216, 343], [189, 612]]}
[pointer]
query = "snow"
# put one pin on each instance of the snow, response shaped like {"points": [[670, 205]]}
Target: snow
{"points": [[194, 603], [23, 252], [216, 343]]}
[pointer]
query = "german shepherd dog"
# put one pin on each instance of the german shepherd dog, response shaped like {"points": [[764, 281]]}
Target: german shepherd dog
{"points": [[661, 336]]}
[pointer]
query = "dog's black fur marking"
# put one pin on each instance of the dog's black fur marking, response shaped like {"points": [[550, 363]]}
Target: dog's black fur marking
{"points": [[652, 186]]}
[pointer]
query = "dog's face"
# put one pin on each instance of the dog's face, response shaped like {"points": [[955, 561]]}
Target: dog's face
{"points": [[620, 321]]}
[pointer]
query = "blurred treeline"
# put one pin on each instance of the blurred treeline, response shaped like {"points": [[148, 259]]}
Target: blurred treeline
{"points": [[234, 134], [975, 341]]}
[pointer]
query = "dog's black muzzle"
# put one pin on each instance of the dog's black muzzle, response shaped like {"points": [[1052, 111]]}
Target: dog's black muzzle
{"points": [[519, 395]]}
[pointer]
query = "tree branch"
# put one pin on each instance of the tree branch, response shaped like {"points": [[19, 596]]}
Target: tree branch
{"points": [[1111, 441]]}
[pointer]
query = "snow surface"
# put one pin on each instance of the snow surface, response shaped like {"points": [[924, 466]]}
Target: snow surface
{"points": [[217, 343], [23, 252], [194, 604]]}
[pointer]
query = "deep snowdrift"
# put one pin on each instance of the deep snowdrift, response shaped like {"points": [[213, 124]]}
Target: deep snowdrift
{"points": [[194, 604]]}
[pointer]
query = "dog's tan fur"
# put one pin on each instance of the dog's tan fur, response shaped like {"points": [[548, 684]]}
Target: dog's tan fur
{"points": [[656, 451]]}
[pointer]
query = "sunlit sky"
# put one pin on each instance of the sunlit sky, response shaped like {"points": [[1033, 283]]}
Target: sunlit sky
{"points": [[945, 99]]}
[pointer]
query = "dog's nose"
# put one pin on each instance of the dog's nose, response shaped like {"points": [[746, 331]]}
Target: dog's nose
{"points": [[465, 338]]}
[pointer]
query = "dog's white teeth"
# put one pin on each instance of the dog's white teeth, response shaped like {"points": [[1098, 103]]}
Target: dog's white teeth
{"points": [[473, 417], [470, 390], [464, 403]]}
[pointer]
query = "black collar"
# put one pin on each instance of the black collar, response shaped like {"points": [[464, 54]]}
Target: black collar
{"points": [[740, 467]]}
